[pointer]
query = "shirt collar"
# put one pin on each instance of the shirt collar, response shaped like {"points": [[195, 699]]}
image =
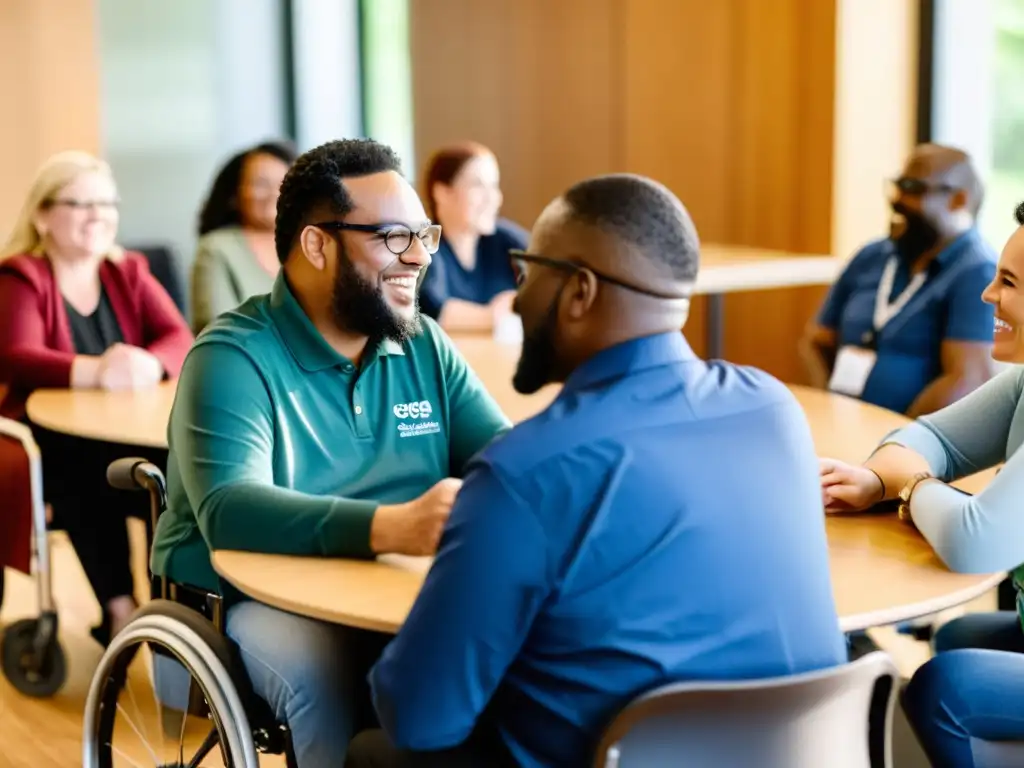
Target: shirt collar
{"points": [[304, 341], [956, 246], [951, 251], [631, 357]]}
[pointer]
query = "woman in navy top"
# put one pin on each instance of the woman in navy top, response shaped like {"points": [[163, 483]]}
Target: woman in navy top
{"points": [[470, 283]]}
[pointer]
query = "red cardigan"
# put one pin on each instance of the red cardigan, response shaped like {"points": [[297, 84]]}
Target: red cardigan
{"points": [[36, 351]]}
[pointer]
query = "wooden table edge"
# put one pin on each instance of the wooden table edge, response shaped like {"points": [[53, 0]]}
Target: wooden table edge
{"points": [[300, 609], [39, 417], [860, 621]]}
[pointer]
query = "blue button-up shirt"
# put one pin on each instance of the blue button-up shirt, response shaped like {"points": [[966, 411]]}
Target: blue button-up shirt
{"points": [[948, 307], [660, 521]]}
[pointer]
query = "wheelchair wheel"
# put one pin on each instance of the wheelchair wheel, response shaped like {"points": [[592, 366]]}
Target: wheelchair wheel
{"points": [[179, 656], [33, 660]]}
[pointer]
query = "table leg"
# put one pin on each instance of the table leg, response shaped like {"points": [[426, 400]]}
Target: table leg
{"points": [[715, 328]]}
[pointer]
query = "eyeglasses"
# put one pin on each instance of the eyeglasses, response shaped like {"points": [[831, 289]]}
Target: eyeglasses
{"points": [[70, 202], [916, 187], [397, 237], [520, 259]]}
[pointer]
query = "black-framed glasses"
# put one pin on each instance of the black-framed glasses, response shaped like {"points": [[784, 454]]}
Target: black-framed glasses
{"points": [[397, 237], [520, 259], [908, 185]]}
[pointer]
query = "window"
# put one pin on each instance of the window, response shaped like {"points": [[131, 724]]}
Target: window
{"points": [[387, 76], [976, 99]]}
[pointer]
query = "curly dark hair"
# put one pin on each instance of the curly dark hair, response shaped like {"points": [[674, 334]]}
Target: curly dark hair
{"points": [[1019, 213], [313, 186], [221, 208]]}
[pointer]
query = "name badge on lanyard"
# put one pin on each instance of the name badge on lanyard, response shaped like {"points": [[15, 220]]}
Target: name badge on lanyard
{"points": [[854, 364]]}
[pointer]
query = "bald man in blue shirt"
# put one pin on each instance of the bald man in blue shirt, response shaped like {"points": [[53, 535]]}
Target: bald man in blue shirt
{"points": [[660, 521], [904, 326]]}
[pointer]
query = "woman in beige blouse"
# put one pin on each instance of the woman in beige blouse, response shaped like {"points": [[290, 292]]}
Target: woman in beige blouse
{"points": [[235, 258]]}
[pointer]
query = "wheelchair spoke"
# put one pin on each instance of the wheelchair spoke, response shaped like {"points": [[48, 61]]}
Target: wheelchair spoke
{"points": [[213, 729], [143, 739], [184, 721], [138, 711]]}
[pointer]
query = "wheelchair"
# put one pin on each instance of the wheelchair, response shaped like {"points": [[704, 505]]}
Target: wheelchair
{"points": [[183, 627], [33, 660]]}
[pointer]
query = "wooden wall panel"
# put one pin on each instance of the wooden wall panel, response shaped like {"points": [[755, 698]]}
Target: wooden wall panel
{"points": [[49, 86], [733, 104], [679, 63], [783, 91], [532, 79]]}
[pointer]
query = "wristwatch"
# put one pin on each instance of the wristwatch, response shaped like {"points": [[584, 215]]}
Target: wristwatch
{"points": [[903, 511]]}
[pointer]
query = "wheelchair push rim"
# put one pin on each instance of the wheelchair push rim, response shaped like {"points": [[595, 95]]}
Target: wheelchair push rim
{"points": [[112, 702]]}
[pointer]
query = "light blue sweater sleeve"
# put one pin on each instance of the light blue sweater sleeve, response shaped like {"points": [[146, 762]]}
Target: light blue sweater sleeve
{"points": [[972, 534]]}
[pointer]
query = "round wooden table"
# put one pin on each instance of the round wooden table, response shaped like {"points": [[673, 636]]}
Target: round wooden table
{"points": [[882, 571], [132, 418]]}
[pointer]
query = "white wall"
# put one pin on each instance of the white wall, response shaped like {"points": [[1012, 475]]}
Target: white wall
{"points": [[325, 38], [184, 85], [187, 83]]}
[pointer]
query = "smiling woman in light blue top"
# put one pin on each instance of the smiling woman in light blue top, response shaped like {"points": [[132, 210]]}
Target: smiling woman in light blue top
{"points": [[966, 704]]}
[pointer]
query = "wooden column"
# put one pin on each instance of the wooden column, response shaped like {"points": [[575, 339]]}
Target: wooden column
{"points": [[49, 86]]}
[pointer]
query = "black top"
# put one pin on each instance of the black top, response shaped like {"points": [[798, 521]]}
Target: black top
{"points": [[96, 333]]}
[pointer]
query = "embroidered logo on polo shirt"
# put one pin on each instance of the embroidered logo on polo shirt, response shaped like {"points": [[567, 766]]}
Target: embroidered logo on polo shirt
{"points": [[420, 411]]}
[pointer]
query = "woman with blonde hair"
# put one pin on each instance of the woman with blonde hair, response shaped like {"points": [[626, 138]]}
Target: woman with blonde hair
{"points": [[77, 311]]}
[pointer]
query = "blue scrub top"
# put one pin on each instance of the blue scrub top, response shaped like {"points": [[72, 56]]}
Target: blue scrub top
{"points": [[947, 307], [492, 274]]}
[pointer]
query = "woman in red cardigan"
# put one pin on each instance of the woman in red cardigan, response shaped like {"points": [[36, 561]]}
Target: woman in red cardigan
{"points": [[77, 311]]}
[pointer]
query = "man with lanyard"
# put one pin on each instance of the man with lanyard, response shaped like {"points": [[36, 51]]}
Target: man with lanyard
{"points": [[904, 326]]}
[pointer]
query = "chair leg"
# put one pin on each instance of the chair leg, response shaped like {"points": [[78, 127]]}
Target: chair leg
{"points": [[289, 754]]}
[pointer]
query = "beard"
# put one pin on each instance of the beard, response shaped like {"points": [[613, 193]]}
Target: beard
{"points": [[917, 238], [538, 358], [359, 306]]}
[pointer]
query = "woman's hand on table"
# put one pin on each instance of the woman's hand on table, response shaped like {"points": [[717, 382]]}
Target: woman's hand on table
{"points": [[126, 367], [848, 487]]}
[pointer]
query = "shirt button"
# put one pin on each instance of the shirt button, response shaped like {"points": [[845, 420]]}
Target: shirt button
{"points": [[359, 409], [348, 368]]}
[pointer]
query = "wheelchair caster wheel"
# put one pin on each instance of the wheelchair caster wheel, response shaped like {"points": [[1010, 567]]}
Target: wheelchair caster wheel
{"points": [[34, 665]]}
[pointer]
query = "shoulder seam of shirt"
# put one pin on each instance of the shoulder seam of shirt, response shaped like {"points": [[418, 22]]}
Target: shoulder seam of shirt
{"points": [[233, 344], [510, 488], [537, 458]]}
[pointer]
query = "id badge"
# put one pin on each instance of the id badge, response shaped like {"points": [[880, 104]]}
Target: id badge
{"points": [[851, 371]]}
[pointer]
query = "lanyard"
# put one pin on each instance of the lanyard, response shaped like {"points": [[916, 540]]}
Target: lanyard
{"points": [[886, 310]]}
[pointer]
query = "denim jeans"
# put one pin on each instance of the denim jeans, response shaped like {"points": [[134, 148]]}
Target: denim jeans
{"points": [[311, 673], [967, 703]]}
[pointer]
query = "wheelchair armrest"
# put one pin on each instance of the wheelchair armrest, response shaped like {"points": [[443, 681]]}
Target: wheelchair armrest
{"points": [[132, 474], [135, 474]]}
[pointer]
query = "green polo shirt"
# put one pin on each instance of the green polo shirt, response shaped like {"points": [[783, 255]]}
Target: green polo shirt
{"points": [[278, 444]]}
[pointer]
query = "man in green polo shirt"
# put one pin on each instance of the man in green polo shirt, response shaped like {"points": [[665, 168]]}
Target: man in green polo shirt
{"points": [[327, 418]]}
